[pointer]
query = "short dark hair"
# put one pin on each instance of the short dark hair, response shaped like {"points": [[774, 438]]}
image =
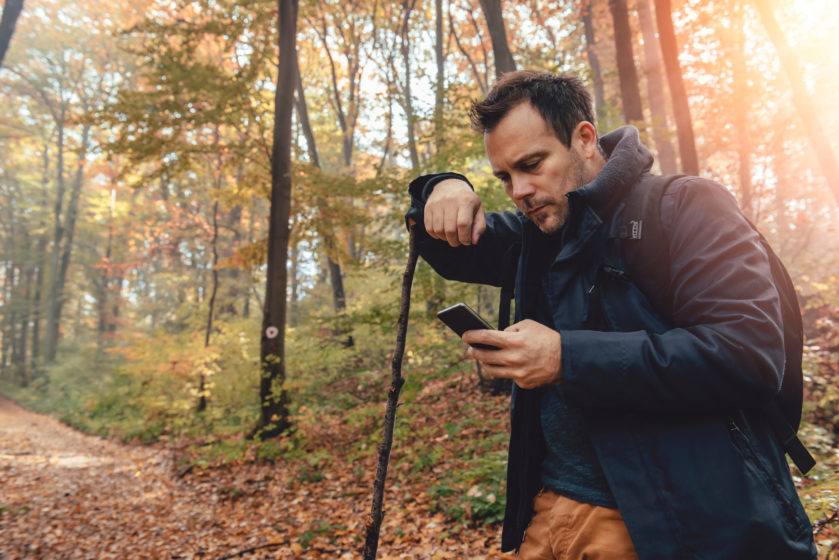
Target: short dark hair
{"points": [[561, 99]]}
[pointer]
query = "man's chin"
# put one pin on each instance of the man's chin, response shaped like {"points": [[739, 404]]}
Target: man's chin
{"points": [[550, 223]]}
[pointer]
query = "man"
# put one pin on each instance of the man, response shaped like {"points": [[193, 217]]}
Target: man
{"points": [[635, 423]]}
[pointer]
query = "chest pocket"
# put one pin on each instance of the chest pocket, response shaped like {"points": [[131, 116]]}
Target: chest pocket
{"points": [[615, 303]]}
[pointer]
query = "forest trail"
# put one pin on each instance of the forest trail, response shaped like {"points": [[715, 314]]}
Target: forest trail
{"points": [[65, 494], [71, 495]]}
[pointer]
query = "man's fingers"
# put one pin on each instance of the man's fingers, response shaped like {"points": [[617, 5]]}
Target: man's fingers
{"points": [[450, 226], [486, 336], [451, 211], [464, 225], [479, 224]]}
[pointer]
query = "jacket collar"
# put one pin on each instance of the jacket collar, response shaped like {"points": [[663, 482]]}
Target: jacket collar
{"points": [[626, 160]]}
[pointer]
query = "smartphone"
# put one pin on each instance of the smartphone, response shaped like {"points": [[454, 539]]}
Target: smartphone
{"points": [[461, 318]]}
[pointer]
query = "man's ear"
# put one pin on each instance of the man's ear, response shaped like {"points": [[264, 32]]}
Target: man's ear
{"points": [[586, 136]]}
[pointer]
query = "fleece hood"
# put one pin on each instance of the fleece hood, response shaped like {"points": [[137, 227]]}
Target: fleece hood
{"points": [[627, 159]]}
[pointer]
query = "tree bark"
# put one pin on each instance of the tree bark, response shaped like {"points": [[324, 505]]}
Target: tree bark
{"points": [[801, 98], [655, 90], [274, 413], [498, 35], [681, 108], [594, 61], [633, 111], [11, 12]]}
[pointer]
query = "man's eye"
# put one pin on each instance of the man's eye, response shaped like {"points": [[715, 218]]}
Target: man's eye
{"points": [[530, 166]]}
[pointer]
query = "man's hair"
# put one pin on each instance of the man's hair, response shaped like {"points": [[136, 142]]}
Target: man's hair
{"points": [[561, 99]]}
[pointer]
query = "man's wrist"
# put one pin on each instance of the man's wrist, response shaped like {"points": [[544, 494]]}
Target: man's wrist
{"points": [[435, 180]]}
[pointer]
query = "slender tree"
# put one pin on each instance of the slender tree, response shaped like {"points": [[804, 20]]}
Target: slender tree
{"points": [[440, 78], [408, 103], [593, 59], [498, 34], [681, 108], [11, 12], [655, 89], [274, 399], [327, 236], [633, 112]]}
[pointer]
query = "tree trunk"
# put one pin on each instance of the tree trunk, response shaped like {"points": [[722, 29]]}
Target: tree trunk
{"points": [[594, 61], [633, 112], [7, 325], [202, 380], [440, 81], [58, 235], [408, 104], [655, 90], [67, 250], [105, 277], [115, 301], [681, 108], [21, 361], [801, 98], [740, 108], [231, 277], [273, 397], [11, 11], [41, 260], [498, 35], [336, 277]]}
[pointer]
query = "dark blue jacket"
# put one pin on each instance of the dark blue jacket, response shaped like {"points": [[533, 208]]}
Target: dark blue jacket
{"points": [[670, 378]]}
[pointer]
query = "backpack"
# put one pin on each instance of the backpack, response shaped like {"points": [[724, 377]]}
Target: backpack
{"points": [[638, 231]]}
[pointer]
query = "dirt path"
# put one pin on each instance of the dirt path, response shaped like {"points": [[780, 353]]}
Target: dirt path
{"points": [[64, 494]]}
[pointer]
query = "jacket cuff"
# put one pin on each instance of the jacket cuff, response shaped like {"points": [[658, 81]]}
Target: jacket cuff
{"points": [[420, 189], [583, 377]]}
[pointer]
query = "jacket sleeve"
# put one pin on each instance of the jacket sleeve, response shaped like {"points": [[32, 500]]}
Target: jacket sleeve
{"points": [[479, 263], [726, 350]]}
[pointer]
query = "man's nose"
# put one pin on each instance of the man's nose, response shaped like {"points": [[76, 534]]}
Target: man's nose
{"points": [[522, 188]]}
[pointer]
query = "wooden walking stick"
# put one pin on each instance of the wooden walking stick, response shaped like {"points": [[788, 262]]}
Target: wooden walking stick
{"points": [[374, 521]]}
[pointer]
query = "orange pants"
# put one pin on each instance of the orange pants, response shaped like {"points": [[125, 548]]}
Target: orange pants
{"points": [[566, 529]]}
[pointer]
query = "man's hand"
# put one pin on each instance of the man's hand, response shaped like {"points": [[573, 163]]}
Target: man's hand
{"points": [[529, 353], [454, 213]]}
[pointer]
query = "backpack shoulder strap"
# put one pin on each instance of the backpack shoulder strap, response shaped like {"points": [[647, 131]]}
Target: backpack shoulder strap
{"points": [[641, 241]]}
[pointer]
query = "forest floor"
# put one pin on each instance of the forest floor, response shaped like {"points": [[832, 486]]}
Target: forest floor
{"points": [[65, 494]]}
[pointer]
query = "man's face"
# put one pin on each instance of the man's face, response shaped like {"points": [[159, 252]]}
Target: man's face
{"points": [[535, 168]]}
